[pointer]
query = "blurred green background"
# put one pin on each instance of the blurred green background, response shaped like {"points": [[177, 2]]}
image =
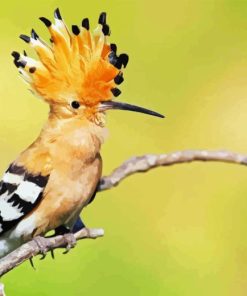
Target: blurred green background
{"points": [[177, 230]]}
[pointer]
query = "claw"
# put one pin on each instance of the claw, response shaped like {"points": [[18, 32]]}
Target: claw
{"points": [[70, 242], [42, 244], [31, 262], [52, 254]]}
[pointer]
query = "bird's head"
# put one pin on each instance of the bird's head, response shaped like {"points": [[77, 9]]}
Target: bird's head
{"points": [[78, 73]]}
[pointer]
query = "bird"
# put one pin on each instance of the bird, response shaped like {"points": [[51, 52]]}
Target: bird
{"points": [[77, 73]]}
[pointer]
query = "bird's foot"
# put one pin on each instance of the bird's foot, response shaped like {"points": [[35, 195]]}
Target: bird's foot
{"points": [[42, 244], [69, 241]]}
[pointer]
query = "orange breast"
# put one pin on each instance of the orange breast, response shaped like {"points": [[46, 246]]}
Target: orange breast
{"points": [[71, 154], [65, 196]]}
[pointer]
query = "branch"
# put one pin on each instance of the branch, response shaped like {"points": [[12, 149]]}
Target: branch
{"points": [[31, 249], [150, 161], [134, 165]]}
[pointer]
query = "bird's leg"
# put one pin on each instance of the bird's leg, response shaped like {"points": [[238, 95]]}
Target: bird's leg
{"points": [[60, 230], [69, 236], [70, 241], [78, 225], [42, 244]]}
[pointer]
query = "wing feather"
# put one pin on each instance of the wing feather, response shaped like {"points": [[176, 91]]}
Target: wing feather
{"points": [[20, 193]]}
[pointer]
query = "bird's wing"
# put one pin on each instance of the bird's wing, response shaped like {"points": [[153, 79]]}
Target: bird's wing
{"points": [[20, 193]]}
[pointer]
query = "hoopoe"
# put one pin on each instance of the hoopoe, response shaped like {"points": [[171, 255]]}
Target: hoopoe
{"points": [[50, 182]]}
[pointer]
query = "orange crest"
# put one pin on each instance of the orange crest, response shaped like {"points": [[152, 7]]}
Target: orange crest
{"points": [[80, 65]]}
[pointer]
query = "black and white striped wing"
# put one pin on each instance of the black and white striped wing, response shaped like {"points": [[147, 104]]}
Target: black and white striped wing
{"points": [[20, 192]]}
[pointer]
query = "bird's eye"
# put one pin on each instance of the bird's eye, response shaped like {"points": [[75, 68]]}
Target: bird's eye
{"points": [[75, 104]]}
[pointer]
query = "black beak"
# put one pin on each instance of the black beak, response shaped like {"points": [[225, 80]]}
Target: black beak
{"points": [[108, 105]]}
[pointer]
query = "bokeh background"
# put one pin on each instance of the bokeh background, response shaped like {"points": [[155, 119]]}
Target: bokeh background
{"points": [[173, 231]]}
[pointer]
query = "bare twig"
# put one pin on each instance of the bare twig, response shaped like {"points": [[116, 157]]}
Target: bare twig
{"points": [[150, 161], [136, 164]]}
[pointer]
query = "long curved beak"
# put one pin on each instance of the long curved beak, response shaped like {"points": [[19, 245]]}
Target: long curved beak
{"points": [[109, 105]]}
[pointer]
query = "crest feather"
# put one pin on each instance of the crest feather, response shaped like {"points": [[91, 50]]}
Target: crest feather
{"points": [[81, 64]]}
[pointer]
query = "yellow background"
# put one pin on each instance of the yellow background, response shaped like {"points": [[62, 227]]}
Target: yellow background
{"points": [[177, 230]]}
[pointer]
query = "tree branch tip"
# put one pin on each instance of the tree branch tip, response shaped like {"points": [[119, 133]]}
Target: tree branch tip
{"points": [[89, 233], [96, 232]]}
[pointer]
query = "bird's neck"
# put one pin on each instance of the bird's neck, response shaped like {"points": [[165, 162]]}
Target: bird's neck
{"points": [[63, 141], [77, 130]]}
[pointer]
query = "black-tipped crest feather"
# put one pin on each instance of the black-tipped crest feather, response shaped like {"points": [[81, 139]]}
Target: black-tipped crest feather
{"points": [[15, 55], [57, 14], [85, 23], [102, 18], [25, 38], [34, 34], [45, 21], [75, 29], [116, 92]]}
